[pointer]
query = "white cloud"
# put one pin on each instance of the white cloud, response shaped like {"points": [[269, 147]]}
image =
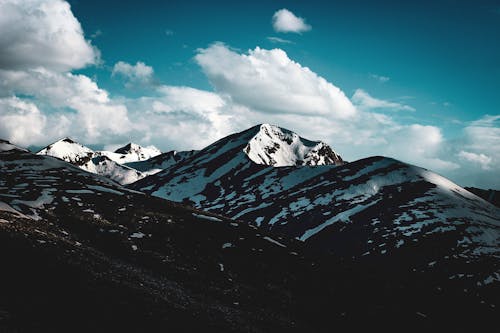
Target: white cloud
{"points": [[483, 160], [41, 41], [268, 81], [483, 136], [278, 40], [177, 113], [20, 121], [478, 151], [140, 72], [286, 21], [380, 78], [45, 34], [366, 102], [62, 91]]}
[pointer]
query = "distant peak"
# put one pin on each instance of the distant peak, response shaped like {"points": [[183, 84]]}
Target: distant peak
{"points": [[142, 152]]}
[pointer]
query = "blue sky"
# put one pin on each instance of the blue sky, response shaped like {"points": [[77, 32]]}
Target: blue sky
{"points": [[441, 56], [416, 81]]}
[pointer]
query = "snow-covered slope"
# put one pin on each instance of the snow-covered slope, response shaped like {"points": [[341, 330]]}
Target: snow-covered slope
{"points": [[122, 174], [96, 162], [131, 152], [160, 162], [369, 207]]}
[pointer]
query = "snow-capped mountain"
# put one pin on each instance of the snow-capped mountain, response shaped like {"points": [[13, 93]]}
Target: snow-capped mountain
{"points": [[131, 152], [68, 150], [92, 161], [369, 207], [404, 248], [160, 162], [275, 146]]}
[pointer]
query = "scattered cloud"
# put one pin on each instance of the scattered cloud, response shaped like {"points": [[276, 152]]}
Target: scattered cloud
{"points": [[366, 102], [380, 78], [169, 32], [96, 34], [268, 81], [278, 40], [138, 73], [42, 34], [286, 21]]}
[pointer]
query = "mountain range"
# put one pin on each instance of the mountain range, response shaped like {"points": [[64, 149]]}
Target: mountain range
{"points": [[305, 239]]}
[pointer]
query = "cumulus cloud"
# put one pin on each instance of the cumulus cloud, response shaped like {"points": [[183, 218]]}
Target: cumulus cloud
{"points": [[45, 34], [365, 101], [286, 21], [484, 134], [140, 72], [92, 105], [20, 121], [176, 113], [41, 42], [483, 160], [268, 81]]}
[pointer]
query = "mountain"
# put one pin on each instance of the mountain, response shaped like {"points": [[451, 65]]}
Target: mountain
{"points": [[160, 162], [68, 150], [80, 251], [96, 162], [275, 146], [492, 196], [131, 152], [370, 207]]}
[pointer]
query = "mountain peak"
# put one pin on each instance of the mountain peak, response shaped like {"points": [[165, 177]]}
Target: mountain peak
{"points": [[143, 153], [68, 150], [129, 147], [67, 139], [276, 146]]}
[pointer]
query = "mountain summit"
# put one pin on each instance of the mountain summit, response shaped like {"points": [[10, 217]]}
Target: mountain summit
{"points": [[68, 150], [275, 146], [139, 152]]}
